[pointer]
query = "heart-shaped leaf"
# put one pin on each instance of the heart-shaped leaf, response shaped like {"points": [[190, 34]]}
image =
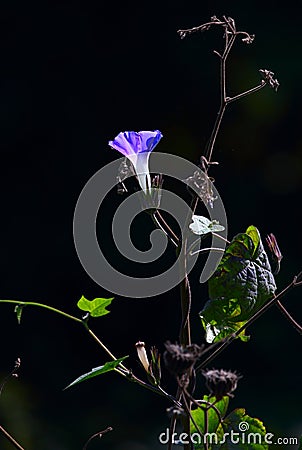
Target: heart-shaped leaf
{"points": [[242, 283], [202, 225], [238, 430]]}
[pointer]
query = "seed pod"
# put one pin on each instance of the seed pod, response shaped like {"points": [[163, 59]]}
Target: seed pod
{"points": [[221, 382], [180, 359]]}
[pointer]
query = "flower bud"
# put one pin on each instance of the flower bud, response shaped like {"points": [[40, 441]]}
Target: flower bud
{"points": [[142, 354], [274, 248]]}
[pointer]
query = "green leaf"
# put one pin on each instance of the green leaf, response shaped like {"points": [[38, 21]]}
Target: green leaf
{"points": [[18, 310], [238, 430], [202, 225], [253, 233], [213, 418], [242, 283], [96, 307], [111, 365]]}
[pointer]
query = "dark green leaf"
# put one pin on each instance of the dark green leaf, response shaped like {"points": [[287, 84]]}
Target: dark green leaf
{"points": [[238, 430], [242, 283], [96, 307], [214, 414], [18, 310], [111, 365]]}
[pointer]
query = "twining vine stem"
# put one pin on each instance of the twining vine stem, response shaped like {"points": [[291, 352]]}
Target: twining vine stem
{"points": [[230, 34], [121, 369]]}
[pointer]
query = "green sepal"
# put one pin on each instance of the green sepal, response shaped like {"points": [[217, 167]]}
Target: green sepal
{"points": [[18, 311]]}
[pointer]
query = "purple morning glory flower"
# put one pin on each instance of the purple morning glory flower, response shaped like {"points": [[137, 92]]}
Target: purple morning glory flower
{"points": [[137, 146]]}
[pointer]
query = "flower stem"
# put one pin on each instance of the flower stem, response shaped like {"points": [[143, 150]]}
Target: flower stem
{"points": [[207, 249], [223, 98], [41, 305], [186, 300], [106, 349], [99, 434], [289, 317], [10, 438], [157, 389], [175, 237], [162, 225], [121, 369], [248, 92]]}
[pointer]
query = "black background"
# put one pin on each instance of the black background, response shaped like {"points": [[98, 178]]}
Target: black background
{"points": [[75, 74]]}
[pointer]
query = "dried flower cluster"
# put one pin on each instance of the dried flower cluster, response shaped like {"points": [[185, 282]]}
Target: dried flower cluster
{"points": [[180, 359], [221, 382]]}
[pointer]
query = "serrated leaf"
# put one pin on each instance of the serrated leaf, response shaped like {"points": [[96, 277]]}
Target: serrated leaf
{"points": [[202, 225], [96, 307], [238, 430], [242, 283], [107, 367], [18, 310], [213, 419]]}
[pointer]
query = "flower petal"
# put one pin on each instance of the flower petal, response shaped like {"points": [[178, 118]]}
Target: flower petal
{"points": [[131, 143], [126, 143], [149, 139], [136, 146]]}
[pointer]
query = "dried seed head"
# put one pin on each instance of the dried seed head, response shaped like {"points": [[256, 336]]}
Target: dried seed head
{"points": [[268, 78], [179, 359], [200, 183], [249, 38], [221, 382]]}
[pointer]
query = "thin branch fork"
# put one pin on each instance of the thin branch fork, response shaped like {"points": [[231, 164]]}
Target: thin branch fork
{"points": [[227, 23], [99, 435], [230, 34]]}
